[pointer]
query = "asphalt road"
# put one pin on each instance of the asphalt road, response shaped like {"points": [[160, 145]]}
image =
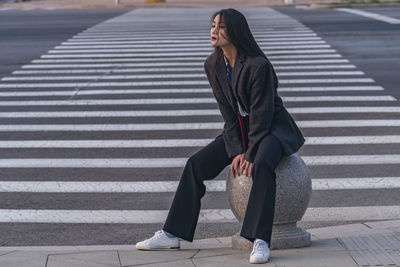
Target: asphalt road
{"points": [[371, 46]]}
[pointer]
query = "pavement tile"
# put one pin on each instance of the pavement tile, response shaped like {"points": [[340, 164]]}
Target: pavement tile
{"points": [[216, 252], [337, 231], [204, 244], [23, 258], [180, 263], [393, 224], [87, 259], [134, 257]]}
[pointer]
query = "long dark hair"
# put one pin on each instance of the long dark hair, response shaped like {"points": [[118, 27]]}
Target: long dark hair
{"points": [[240, 36]]}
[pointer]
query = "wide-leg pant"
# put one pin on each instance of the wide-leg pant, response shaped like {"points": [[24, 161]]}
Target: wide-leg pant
{"points": [[206, 164]]}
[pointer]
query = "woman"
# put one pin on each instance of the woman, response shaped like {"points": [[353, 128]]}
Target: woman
{"points": [[258, 133]]}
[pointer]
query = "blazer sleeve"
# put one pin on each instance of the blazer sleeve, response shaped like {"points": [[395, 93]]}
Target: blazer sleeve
{"points": [[231, 132], [262, 93]]}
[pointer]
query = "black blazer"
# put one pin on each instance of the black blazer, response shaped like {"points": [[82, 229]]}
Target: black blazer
{"points": [[253, 87]]}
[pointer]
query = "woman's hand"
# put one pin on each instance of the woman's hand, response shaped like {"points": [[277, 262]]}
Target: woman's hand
{"points": [[243, 165]]}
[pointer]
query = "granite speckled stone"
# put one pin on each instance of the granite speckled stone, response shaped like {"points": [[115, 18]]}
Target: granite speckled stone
{"points": [[293, 193]]}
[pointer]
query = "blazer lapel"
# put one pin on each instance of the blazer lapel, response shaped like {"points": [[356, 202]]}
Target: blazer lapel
{"points": [[235, 75]]}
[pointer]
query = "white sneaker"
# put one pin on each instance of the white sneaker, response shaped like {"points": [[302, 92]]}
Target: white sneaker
{"points": [[160, 241], [260, 253]]}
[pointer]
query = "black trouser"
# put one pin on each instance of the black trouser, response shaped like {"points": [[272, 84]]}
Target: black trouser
{"points": [[206, 165]]}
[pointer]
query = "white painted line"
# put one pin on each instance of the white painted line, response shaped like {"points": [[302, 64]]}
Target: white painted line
{"points": [[106, 114], [303, 7], [370, 15], [113, 127], [330, 88], [321, 110], [173, 35], [105, 92], [180, 91], [198, 100], [71, 71], [191, 60], [183, 41], [185, 126], [348, 123], [163, 143], [178, 54], [203, 37], [179, 162], [106, 143], [166, 83], [87, 102], [335, 98], [104, 216], [158, 45], [97, 84], [171, 186], [191, 68], [354, 183], [362, 213], [352, 140], [320, 73], [341, 80], [308, 67], [168, 49], [351, 160], [205, 216], [101, 187], [192, 112], [102, 76]]}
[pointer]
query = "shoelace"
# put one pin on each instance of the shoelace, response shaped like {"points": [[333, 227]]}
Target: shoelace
{"points": [[258, 246], [157, 234]]}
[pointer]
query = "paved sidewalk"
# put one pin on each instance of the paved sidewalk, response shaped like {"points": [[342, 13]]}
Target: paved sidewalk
{"points": [[361, 244]]}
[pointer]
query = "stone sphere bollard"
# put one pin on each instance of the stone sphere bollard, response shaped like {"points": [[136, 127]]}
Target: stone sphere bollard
{"points": [[293, 193]]}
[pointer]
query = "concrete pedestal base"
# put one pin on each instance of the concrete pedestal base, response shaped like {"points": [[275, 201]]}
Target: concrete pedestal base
{"points": [[293, 194], [283, 236]]}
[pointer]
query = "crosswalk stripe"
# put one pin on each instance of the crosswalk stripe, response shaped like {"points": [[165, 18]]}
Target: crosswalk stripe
{"points": [[165, 83], [278, 41], [162, 101], [199, 74], [110, 49], [178, 54], [179, 162], [186, 126], [182, 32], [330, 88], [89, 69], [331, 140], [205, 216], [371, 15], [187, 37], [169, 49], [188, 112], [192, 112], [292, 44], [191, 61], [169, 76], [183, 91], [171, 186], [186, 41]]}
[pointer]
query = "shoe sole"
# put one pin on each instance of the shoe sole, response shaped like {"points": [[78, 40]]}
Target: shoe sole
{"points": [[258, 261]]}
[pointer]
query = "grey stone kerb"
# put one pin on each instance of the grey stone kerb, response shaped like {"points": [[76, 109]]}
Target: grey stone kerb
{"points": [[293, 193]]}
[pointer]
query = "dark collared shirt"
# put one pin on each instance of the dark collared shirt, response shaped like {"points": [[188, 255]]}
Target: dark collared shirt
{"points": [[241, 111]]}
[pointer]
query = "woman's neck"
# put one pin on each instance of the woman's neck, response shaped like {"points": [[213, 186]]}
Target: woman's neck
{"points": [[230, 52]]}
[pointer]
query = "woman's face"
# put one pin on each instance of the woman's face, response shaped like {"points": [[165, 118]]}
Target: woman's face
{"points": [[219, 35]]}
